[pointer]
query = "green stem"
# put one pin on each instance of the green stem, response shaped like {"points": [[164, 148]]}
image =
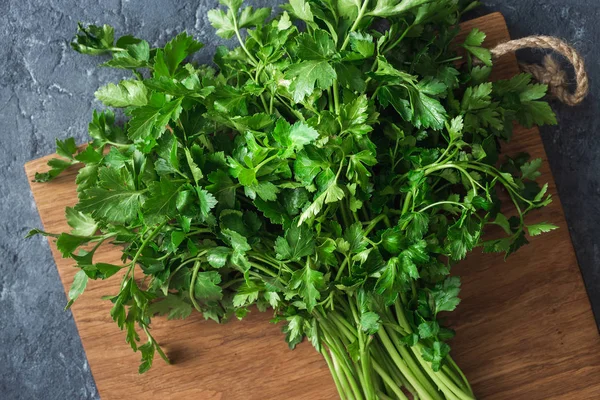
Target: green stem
{"points": [[345, 216], [253, 60], [446, 369], [384, 396], [349, 367], [401, 317], [232, 282], [265, 161], [364, 380], [440, 203], [342, 390], [414, 367], [407, 201], [443, 382], [295, 112], [156, 345], [459, 168], [390, 348], [193, 285], [337, 352], [342, 377], [142, 247], [197, 231], [336, 99], [375, 221], [462, 375], [399, 40], [489, 170], [122, 145], [342, 267], [257, 80], [389, 381], [359, 17], [447, 392], [330, 100], [343, 325], [265, 270], [441, 158], [265, 260], [365, 363], [383, 357]]}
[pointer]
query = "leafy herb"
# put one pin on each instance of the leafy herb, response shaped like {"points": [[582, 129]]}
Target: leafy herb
{"points": [[333, 173]]}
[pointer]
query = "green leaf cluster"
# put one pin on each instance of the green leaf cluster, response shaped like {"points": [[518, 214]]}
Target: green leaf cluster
{"points": [[333, 173]]}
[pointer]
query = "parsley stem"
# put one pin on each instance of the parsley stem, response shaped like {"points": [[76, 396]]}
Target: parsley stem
{"points": [[142, 247], [345, 216], [383, 396], [453, 377], [462, 375], [115, 144], [387, 344], [441, 158], [364, 357], [279, 265], [440, 203], [401, 317], [268, 272], [334, 374], [264, 103], [337, 348], [188, 261], [294, 112], [336, 100], [375, 221], [156, 345], [232, 282], [474, 184], [412, 365], [359, 17], [198, 231], [489, 170], [343, 325], [386, 378], [407, 201], [365, 214], [342, 376], [365, 363], [450, 390], [193, 285], [354, 312], [253, 60], [399, 40], [339, 273], [452, 59], [383, 357], [265, 161]]}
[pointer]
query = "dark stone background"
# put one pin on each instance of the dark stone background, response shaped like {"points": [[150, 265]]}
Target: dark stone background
{"points": [[46, 91]]}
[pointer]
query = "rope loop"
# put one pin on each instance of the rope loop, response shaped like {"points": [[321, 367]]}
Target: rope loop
{"points": [[550, 72]]}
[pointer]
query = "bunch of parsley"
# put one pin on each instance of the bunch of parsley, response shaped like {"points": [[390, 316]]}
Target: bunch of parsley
{"points": [[332, 168]]}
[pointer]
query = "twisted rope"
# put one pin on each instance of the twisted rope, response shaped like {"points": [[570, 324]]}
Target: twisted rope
{"points": [[550, 72]]}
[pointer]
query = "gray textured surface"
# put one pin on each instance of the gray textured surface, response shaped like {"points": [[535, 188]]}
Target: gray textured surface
{"points": [[46, 91]]}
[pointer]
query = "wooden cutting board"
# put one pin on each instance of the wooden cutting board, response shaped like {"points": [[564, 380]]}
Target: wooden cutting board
{"points": [[525, 329]]}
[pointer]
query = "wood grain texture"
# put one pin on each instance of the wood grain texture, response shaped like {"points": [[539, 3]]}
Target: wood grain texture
{"points": [[525, 329]]}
